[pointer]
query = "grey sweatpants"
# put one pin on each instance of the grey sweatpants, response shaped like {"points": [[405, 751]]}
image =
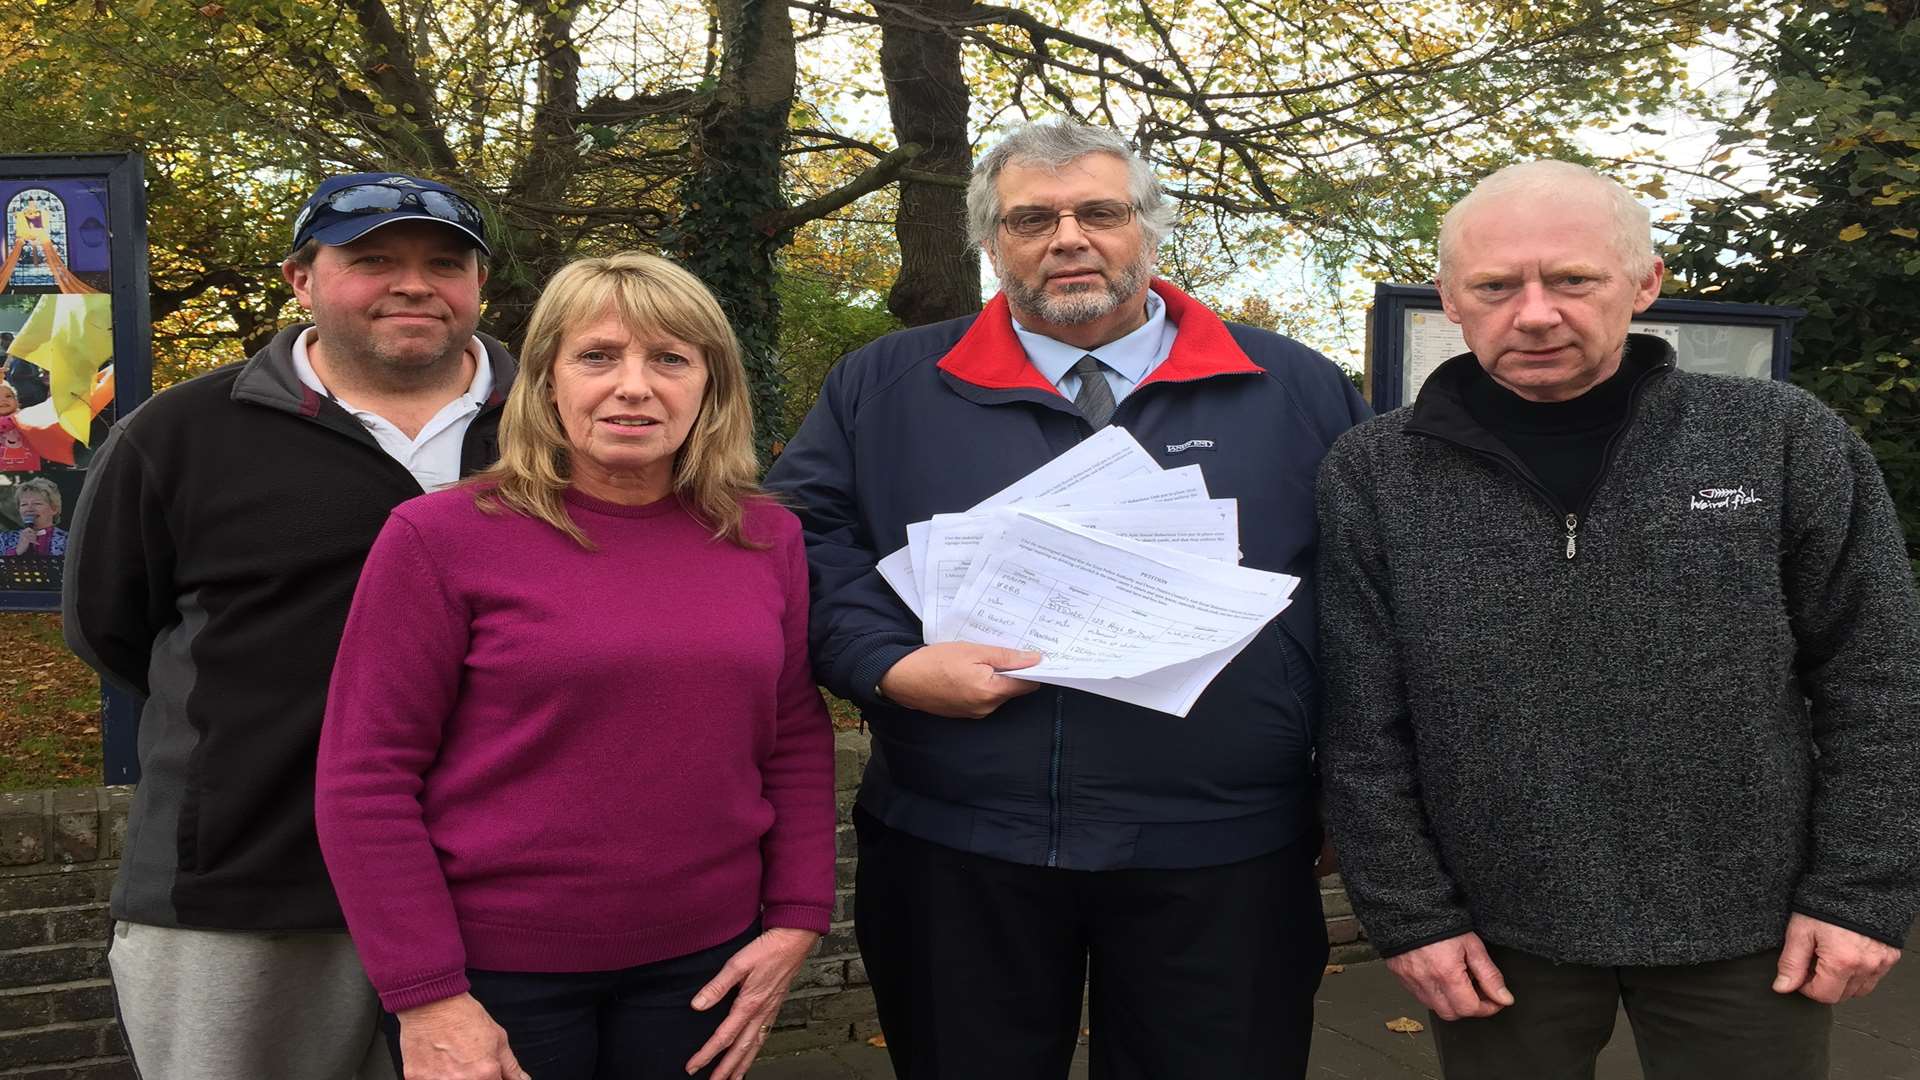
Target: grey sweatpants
{"points": [[229, 1005]]}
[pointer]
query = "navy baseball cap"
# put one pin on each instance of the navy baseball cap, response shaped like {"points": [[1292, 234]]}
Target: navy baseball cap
{"points": [[345, 208]]}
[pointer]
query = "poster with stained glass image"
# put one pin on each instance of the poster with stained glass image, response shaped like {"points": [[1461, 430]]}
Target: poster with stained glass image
{"points": [[56, 365]]}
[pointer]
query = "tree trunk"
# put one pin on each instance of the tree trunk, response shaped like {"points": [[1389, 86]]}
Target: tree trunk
{"points": [[733, 188], [528, 252], [927, 95]]}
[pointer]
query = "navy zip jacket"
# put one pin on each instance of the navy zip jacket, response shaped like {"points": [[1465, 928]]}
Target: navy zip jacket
{"points": [[934, 419]]}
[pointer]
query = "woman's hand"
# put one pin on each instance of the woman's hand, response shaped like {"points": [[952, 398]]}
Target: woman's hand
{"points": [[28, 534], [455, 1039], [762, 971]]}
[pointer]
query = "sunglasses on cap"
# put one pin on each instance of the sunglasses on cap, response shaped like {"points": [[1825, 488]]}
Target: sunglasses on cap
{"points": [[385, 199]]}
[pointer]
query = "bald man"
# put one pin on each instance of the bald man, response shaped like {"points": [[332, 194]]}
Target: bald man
{"points": [[1622, 705]]}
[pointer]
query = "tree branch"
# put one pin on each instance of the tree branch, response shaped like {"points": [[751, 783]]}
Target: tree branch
{"points": [[398, 79], [883, 172]]}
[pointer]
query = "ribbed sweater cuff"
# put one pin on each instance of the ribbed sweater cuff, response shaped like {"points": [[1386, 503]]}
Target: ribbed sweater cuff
{"points": [[425, 993], [1388, 952], [797, 917], [864, 679], [1896, 941]]}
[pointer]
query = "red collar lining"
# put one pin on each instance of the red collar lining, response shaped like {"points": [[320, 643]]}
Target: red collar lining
{"points": [[989, 353]]}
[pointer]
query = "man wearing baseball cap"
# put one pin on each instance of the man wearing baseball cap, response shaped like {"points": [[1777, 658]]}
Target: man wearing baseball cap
{"points": [[212, 559]]}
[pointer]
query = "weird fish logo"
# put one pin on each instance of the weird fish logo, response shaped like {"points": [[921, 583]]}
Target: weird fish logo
{"points": [[1720, 498]]}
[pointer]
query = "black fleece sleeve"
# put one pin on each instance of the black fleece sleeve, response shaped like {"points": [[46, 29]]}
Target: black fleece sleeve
{"points": [[119, 579]]}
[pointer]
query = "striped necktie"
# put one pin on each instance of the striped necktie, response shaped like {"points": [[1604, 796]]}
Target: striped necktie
{"points": [[1095, 399]]}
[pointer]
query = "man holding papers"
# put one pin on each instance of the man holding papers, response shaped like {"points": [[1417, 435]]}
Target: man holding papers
{"points": [[1028, 835]]}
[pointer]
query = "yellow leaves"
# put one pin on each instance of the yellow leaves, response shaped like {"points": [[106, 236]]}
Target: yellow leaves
{"points": [[1875, 6], [1895, 194], [1852, 232], [879, 1041], [1906, 234], [1334, 969], [1406, 1025]]}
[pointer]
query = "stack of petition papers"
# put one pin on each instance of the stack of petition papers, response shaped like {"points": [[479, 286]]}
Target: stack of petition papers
{"points": [[1126, 576]]}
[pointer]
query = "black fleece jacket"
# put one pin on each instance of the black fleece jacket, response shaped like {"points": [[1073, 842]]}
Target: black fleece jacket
{"points": [[213, 556]]}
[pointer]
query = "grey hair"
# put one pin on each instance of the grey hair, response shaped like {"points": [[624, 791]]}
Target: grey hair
{"points": [[1629, 221], [1054, 144]]}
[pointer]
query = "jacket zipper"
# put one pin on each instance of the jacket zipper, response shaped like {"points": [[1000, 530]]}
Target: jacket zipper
{"points": [[1607, 455], [1053, 779], [1313, 727], [1570, 520]]}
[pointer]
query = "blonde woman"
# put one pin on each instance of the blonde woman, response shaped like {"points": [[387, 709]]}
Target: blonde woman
{"points": [[37, 501], [575, 782]]}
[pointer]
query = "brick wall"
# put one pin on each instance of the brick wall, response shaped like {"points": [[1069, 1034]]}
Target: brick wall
{"points": [[57, 856], [58, 850]]}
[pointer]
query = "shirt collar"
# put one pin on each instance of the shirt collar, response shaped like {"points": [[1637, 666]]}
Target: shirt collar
{"points": [[1132, 356], [477, 391]]}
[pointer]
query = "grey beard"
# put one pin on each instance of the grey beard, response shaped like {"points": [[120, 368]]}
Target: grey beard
{"points": [[1077, 308]]}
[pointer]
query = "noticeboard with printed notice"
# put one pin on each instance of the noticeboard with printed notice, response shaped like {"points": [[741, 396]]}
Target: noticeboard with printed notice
{"points": [[1409, 336]]}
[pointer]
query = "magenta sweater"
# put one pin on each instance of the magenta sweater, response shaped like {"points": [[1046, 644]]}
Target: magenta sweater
{"points": [[542, 758]]}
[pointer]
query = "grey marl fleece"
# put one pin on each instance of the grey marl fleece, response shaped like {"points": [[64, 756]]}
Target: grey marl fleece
{"points": [[1648, 753]]}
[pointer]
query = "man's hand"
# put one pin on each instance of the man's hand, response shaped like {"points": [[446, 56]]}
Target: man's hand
{"points": [[1455, 978], [1830, 963], [1327, 863], [957, 679], [455, 1039]]}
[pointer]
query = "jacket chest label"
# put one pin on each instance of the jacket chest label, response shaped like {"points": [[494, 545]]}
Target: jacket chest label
{"points": [[1723, 498]]}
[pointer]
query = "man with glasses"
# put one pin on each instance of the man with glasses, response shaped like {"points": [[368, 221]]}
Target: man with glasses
{"points": [[1015, 838], [213, 556]]}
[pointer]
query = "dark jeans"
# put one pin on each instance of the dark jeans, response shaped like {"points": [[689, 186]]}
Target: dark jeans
{"points": [[632, 1024], [978, 965], [1690, 1021]]}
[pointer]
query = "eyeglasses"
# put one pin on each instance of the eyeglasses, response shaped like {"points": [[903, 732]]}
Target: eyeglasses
{"points": [[385, 199], [1090, 216]]}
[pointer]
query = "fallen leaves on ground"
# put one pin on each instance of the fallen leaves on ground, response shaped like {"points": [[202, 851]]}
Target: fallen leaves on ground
{"points": [[1334, 969], [1406, 1025], [49, 707], [879, 1041]]}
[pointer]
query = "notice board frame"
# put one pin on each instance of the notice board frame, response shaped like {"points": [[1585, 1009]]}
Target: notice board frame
{"points": [[1386, 374], [124, 177]]}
